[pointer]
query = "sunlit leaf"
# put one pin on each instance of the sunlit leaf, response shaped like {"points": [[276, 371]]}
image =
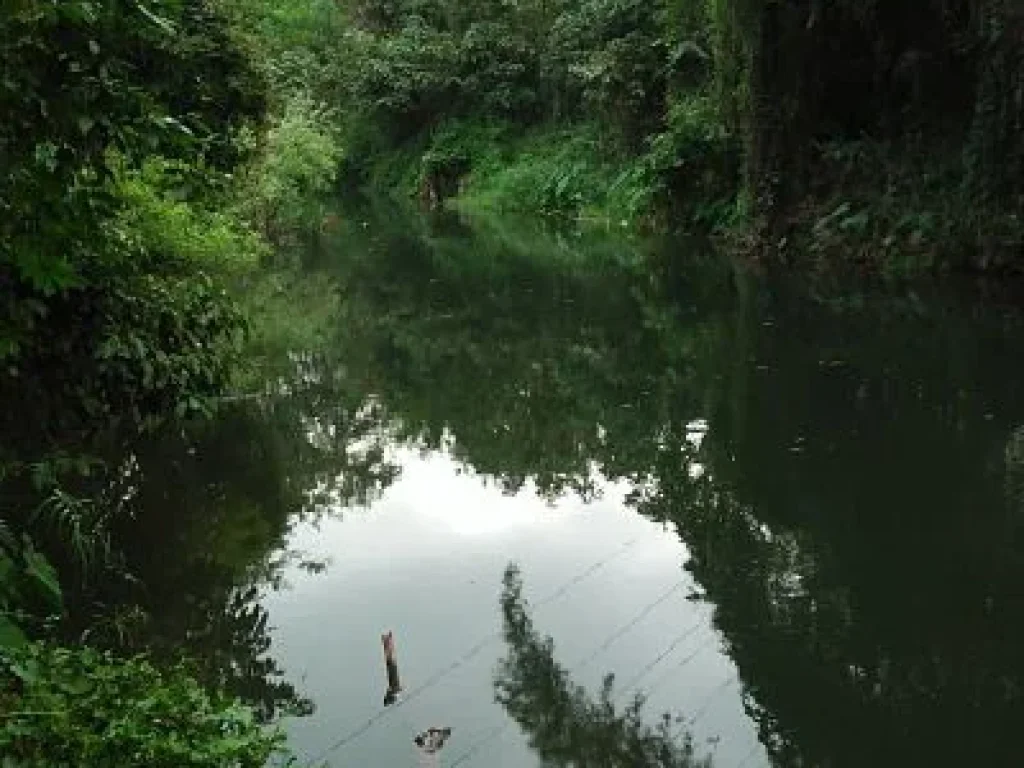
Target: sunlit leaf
{"points": [[164, 24]]}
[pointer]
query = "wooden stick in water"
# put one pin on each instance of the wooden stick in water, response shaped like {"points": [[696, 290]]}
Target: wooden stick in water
{"points": [[391, 665]]}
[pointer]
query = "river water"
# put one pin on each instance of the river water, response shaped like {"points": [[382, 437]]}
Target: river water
{"points": [[790, 516]]}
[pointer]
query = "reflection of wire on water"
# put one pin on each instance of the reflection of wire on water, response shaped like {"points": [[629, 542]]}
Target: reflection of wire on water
{"points": [[414, 693], [637, 618], [664, 654], [586, 573], [685, 722], [477, 746], [711, 697], [608, 642], [498, 730], [679, 665], [467, 656]]}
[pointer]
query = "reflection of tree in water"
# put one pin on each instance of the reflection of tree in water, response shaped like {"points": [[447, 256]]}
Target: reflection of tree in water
{"points": [[212, 506], [851, 526], [565, 724], [853, 533], [540, 355]]}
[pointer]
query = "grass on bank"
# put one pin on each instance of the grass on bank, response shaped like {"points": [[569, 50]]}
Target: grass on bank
{"points": [[896, 209], [683, 177]]}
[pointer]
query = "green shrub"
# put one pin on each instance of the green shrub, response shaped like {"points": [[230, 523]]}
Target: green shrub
{"points": [[612, 55], [692, 168], [281, 192], [79, 707], [561, 173], [159, 217], [900, 207], [143, 348]]}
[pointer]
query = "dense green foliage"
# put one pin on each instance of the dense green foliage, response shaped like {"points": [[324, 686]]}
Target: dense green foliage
{"points": [[78, 708], [586, 98], [888, 112], [284, 191], [136, 155], [867, 132], [29, 588], [101, 273]]}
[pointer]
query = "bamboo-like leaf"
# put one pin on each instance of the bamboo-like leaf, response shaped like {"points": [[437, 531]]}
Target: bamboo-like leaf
{"points": [[164, 24]]}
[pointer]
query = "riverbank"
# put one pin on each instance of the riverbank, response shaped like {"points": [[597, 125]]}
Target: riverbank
{"points": [[684, 177], [885, 208], [884, 142]]}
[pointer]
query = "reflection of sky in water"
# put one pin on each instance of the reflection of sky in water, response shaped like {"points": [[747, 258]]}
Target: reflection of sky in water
{"points": [[696, 431], [426, 561]]}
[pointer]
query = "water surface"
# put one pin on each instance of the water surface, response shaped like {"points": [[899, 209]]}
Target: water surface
{"points": [[792, 516]]}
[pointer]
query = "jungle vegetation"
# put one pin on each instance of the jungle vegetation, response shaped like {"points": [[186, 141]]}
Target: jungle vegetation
{"points": [[163, 162], [879, 134]]}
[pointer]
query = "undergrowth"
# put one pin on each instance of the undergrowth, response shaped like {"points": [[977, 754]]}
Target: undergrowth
{"points": [[79, 707], [567, 173], [899, 209], [685, 176]]}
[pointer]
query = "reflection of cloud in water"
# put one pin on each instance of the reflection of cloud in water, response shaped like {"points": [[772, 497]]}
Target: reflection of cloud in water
{"points": [[446, 494], [436, 487], [426, 558], [696, 431], [438, 505]]}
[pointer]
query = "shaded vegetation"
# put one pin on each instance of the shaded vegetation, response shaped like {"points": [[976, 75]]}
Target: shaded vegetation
{"points": [[87, 708], [148, 166], [859, 132]]}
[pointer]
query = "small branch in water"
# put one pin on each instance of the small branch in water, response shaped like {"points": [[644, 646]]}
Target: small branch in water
{"points": [[391, 665]]}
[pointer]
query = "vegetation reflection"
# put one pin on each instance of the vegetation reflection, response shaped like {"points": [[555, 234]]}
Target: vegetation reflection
{"points": [[845, 473], [566, 725], [239, 484]]}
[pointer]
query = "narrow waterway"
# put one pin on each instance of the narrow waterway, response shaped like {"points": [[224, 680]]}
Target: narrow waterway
{"points": [[792, 518]]}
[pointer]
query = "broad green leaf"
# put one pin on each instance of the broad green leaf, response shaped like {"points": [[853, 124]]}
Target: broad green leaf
{"points": [[11, 635], [76, 685], [44, 576]]}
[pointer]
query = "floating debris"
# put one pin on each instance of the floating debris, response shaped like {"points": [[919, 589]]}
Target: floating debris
{"points": [[432, 740]]}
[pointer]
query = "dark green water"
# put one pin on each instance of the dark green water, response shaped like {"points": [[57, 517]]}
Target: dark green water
{"points": [[793, 516]]}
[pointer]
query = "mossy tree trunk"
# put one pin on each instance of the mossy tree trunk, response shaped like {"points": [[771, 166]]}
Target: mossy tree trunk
{"points": [[784, 105]]}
